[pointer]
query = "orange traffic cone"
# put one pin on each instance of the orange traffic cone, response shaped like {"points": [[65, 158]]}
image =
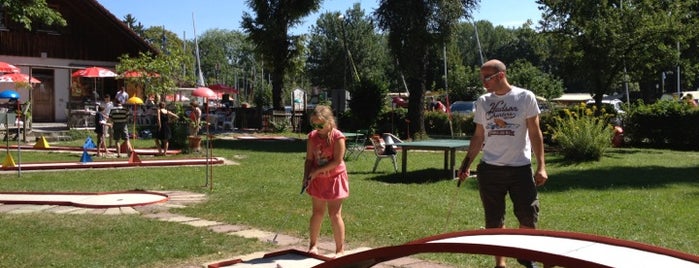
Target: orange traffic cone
{"points": [[133, 158]]}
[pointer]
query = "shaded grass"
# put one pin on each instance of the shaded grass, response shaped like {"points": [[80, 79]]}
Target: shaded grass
{"points": [[53, 240], [648, 196]]}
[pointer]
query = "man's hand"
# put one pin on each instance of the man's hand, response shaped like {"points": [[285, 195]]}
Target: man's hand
{"points": [[540, 177], [464, 173]]}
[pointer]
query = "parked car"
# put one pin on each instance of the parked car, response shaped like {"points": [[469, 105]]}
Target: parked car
{"points": [[463, 107], [611, 106]]}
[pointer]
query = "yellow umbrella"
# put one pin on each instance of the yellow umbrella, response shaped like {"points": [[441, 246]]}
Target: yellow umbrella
{"points": [[135, 101]]}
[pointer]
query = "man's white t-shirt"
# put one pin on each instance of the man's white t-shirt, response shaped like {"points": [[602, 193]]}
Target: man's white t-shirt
{"points": [[122, 96], [504, 119]]}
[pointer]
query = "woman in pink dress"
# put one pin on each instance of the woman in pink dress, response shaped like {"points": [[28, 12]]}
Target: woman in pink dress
{"points": [[326, 177]]}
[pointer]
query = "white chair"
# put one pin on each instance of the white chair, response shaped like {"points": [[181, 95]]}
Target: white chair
{"points": [[381, 152], [228, 121]]}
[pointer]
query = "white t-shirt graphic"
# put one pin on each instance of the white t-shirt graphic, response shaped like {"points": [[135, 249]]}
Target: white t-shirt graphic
{"points": [[504, 119]]}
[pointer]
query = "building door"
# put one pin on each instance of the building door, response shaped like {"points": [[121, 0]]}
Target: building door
{"points": [[43, 96]]}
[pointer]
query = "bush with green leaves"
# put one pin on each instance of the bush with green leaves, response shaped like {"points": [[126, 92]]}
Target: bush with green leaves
{"points": [[580, 135], [664, 124]]}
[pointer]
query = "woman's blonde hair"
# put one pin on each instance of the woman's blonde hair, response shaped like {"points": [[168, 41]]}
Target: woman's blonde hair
{"points": [[324, 113]]}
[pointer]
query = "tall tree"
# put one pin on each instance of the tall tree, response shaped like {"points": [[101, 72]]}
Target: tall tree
{"points": [[334, 38], [414, 27], [28, 12], [599, 39], [182, 53], [133, 24], [269, 31]]}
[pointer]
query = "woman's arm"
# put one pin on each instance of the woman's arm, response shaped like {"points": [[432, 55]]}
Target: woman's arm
{"points": [[158, 117], [338, 155]]}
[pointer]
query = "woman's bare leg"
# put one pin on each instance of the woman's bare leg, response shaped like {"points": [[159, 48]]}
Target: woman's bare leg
{"points": [[338, 225], [316, 222]]}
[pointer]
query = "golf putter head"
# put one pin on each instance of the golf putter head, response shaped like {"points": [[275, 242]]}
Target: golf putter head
{"points": [[274, 240]]}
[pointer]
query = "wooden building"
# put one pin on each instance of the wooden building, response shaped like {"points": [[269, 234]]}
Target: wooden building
{"points": [[93, 37]]}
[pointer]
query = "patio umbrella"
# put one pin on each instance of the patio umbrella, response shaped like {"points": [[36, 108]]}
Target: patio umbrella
{"points": [[203, 92], [9, 94], [219, 88], [94, 73], [18, 77], [135, 101], [207, 93], [8, 68]]}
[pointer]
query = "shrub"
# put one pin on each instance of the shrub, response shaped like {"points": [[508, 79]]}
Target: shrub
{"points": [[664, 124], [582, 136]]}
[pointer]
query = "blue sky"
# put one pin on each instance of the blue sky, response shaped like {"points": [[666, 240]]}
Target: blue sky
{"points": [[176, 16]]}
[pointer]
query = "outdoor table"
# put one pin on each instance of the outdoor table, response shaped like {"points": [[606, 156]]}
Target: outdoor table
{"points": [[82, 117], [448, 146], [352, 134], [354, 142]]}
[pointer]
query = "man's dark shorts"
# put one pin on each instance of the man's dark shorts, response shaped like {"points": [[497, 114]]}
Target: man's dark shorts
{"points": [[495, 182], [121, 132]]}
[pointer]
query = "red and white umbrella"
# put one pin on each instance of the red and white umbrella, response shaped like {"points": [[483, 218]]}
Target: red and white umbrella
{"points": [[18, 78], [8, 68], [94, 72]]}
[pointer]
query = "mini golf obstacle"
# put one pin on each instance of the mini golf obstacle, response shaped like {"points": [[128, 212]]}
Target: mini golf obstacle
{"points": [[85, 200], [132, 161], [552, 248]]}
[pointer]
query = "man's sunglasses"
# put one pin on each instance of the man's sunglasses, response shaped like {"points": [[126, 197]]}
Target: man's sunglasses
{"points": [[490, 77]]}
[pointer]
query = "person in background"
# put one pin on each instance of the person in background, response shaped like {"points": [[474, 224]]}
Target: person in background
{"points": [[121, 95], [326, 177], [689, 99], [437, 106], [108, 105], [120, 116], [164, 133], [507, 131], [195, 116], [100, 129]]}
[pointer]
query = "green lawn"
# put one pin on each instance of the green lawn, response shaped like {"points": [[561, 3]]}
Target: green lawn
{"points": [[649, 196]]}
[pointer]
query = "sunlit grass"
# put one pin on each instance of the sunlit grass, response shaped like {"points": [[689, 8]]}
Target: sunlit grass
{"points": [[649, 196]]}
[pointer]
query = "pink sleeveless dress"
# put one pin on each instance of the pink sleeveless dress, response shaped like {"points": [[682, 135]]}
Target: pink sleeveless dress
{"points": [[331, 185]]}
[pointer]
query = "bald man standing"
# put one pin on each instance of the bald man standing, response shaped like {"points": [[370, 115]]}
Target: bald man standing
{"points": [[507, 131]]}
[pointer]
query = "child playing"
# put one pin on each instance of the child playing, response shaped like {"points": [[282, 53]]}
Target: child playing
{"points": [[326, 177]]}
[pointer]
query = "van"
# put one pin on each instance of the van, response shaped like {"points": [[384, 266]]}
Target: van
{"points": [[609, 105], [675, 96]]}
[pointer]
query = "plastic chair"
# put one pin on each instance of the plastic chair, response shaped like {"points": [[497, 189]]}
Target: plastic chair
{"points": [[228, 121], [383, 150]]}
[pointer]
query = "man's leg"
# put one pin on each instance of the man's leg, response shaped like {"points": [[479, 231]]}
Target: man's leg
{"points": [[525, 203], [118, 148], [492, 192]]}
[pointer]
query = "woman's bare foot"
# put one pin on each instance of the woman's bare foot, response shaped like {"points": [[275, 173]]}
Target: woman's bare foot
{"points": [[339, 255], [313, 250]]}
